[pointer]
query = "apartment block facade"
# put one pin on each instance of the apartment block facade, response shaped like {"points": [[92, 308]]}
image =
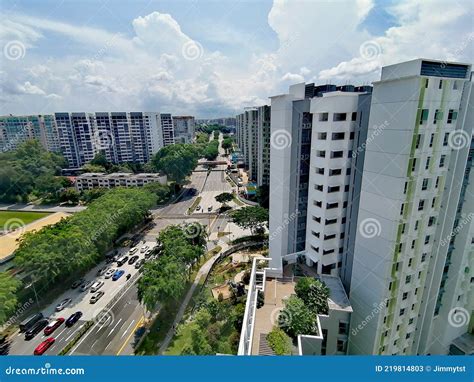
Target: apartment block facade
{"points": [[183, 127], [412, 189], [263, 143]]}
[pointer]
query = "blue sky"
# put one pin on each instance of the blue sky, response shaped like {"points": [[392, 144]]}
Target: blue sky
{"points": [[210, 58]]}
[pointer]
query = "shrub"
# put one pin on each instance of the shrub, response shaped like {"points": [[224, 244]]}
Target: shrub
{"points": [[279, 342]]}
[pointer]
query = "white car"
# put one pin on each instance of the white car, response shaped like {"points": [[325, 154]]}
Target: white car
{"points": [[133, 250], [109, 273], [144, 249], [86, 286], [97, 285]]}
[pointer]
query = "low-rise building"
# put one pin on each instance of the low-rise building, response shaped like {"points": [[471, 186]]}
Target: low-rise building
{"points": [[90, 180]]}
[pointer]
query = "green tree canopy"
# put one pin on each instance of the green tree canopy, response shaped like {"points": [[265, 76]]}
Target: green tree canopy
{"points": [[279, 341], [224, 198], [296, 318], [253, 218], [8, 299], [314, 293], [176, 161]]}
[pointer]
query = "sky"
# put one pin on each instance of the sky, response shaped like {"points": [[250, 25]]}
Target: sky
{"points": [[210, 58]]}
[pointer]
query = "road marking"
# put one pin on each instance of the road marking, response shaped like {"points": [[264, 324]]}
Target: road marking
{"points": [[125, 332], [130, 335], [114, 327], [73, 332]]}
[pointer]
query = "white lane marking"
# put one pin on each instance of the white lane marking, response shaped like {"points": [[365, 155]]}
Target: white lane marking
{"points": [[118, 322], [61, 332], [125, 332], [73, 332]]}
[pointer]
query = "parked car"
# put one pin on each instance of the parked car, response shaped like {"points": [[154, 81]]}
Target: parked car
{"points": [[96, 297], [198, 208], [86, 286], [63, 304], [73, 318], [43, 346], [133, 250], [209, 209], [117, 275], [30, 321], [122, 261], [53, 325], [97, 285], [77, 283], [139, 263], [102, 271], [144, 249], [133, 259], [109, 273], [36, 328], [148, 253]]}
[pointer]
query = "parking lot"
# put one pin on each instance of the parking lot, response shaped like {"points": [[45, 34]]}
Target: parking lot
{"points": [[80, 301]]}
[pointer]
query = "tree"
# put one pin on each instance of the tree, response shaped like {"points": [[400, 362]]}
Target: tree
{"points": [[296, 318], [162, 191], [227, 144], [69, 195], [176, 161], [100, 160], [314, 293], [8, 299], [253, 218], [279, 341], [88, 167], [224, 198], [263, 196]]}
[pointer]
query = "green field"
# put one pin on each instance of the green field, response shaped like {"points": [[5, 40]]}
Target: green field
{"points": [[25, 217]]}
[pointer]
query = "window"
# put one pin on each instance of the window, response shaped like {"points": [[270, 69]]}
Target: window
{"points": [[445, 140], [319, 170], [331, 206], [318, 203], [418, 141], [343, 327], [330, 221], [323, 117], [424, 116], [442, 160], [440, 86], [351, 135], [338, 117], [401, 313], [333, 189], [410, 321], [315, 234], [416, 225], [455, 85], [437, 181], [318, 187], [337, 154], [408, 335], [413, 244], [346, 188], [317, 219], [405, 296], [452, 115], [408, 279], [402, 208], [354, 116], [421, 205], [405, 188], [438, 116], [427, 81], [424, 186], [410, 261], [433, 203], [321, 153], [431, 221], [423, 257], [431, 140], [322, 136], [427, 166], [427, 239], [341, 346], [337, 136], [329, 237], [336, 171], [413, 165]]}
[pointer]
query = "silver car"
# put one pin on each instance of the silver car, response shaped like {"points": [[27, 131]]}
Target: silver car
{"points": [[86, 286], [63, 304], [109, 273], [97, 285]]}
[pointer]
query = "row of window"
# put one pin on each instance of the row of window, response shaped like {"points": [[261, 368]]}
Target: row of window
{"points": [[441, 164], [337, 117], [438, 116], [332, 172], [335, 136], [420, 138], [441, 84]]}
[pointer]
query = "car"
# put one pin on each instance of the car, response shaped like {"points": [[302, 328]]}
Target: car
{"points": [[133, 250], [53, 325], [77, 283], [139, 263], [43, 346], [133, 259], [73, 318], [209, 209], [117, 275], [30, 321], [144, 249], [198, 208], [110, 273], [63, 304], [36, 328], [96, 297], [102, 271], [148, 253], [86, 286], [122, 261], [97, 285]]}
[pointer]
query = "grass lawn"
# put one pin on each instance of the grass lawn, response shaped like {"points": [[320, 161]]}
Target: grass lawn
{"points": [[25, 217]]}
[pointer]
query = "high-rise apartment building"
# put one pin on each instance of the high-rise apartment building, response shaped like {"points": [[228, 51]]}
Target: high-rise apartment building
{"points": [[183, 129], [17, 129], [410, 269], [166, 129], [263, 146]]}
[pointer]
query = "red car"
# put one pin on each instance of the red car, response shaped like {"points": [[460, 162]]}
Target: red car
{"points": [[53, 325], [43, 346]]}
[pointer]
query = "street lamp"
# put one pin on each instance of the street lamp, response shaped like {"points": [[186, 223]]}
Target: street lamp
{"points": [[32, 284]]}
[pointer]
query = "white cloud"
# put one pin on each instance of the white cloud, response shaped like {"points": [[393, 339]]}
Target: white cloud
{"points": [[28, 88]]}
